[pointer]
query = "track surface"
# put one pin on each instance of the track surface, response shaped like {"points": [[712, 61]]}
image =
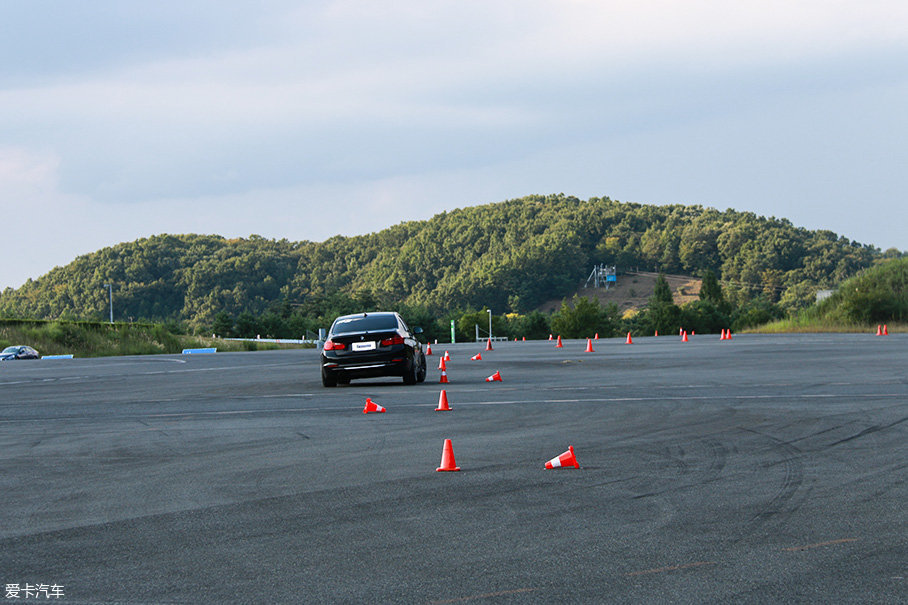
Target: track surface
{"points": [[768, 468]]}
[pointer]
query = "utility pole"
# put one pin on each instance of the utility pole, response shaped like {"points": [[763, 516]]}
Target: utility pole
{"points": [[490, 323], [110, 291]]}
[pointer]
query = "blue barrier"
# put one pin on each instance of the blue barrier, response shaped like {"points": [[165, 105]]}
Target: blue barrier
{"points": [[196, 351], [57, 356]]}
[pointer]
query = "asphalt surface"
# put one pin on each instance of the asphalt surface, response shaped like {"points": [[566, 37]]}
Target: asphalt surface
{"points": [[764, 469]]}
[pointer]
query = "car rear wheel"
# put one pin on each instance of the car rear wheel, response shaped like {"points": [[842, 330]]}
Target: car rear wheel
{"points": [[328, 379], [421, 374], [411, 376]]}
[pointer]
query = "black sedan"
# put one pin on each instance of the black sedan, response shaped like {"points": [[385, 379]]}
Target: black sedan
{"points": [[18, 352], [369, 345]]}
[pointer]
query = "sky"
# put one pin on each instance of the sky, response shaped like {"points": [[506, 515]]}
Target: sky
{"points": [[304, 120]]}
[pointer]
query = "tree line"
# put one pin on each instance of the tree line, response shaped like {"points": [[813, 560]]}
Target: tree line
{"points": [[510, 256]]}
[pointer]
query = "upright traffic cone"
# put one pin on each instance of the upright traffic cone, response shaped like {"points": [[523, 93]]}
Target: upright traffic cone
{"points": [[550, 337], [477, 357], [489, 344], [441, 363], [496, 377], [443, 402], [885, 330], [657, 333], [597, 336], [728, 334], [524, 338], [684, 337], [722, 335], [879, 329], [629, 340], [429, 349], [564, 460], [371, 406], [559, 345], [447, 356], [589, 346], [444, 377], [447, 458]]}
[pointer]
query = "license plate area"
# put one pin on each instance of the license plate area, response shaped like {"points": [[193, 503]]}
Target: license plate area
{"points": [[364, 346]]}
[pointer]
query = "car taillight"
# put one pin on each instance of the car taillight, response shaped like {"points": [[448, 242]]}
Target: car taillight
{"points": [[330, 345], [394, 340]]}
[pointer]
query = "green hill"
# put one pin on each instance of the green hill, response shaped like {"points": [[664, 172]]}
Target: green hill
{"points": [[513, 255]]}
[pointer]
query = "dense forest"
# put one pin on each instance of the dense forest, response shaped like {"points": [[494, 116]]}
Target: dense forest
{"points": [[509, 256]]}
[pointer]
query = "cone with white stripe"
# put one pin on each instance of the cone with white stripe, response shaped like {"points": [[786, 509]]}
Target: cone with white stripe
{"points": [[371, 406], [496, 377], [564, 460], [477, 357]]}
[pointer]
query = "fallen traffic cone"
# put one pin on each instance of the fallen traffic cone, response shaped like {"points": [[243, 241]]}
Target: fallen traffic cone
{"points": [[429, 349], [447, 458], [443, 402], [489, 344], [684, 337], [496, 377], [589, 346], [477, 357], [371, 406], [885, 330], [564, 460], [629, 340], [559, 345], [879, 330]]}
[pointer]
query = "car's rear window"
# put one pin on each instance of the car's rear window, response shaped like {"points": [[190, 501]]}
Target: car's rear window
{"points": [[368, 323]]}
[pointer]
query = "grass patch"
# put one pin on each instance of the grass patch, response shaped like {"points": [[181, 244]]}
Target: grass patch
{"points": [[806, 324], [92, 339]]}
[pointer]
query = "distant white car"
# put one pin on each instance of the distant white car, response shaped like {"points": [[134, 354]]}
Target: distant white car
{"points": [[18, 352]]}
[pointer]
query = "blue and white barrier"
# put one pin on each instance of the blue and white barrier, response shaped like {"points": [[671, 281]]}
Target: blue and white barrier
{"points": [[197, 351], [57, 356]]}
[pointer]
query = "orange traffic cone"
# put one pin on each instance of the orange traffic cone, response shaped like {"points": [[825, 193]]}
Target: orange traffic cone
{"points": [[550, 337], [496, 377], [564, 460], [441, 363], [489, 344], [428, 349], [589, 346], [443, 402], [477, 357], [680, 331], [728, 334], [597, 336], [447, 458], [559, 345], [629, 340], [444, 377], [657, 333], [447, 356], [371, 406], [879, 329], [524, 338], [885, 330], [722, 335], [684, 337]]}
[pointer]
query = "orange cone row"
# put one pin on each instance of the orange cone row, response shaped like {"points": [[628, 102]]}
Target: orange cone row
{"points": [[565, 460]]}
